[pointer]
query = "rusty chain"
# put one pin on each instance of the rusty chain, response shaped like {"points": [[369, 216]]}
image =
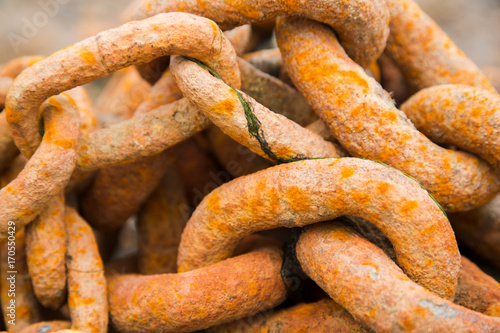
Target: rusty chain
{"points": [[164, 207]]}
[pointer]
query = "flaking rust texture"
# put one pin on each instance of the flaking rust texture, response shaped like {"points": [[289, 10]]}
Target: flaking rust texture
{"points": [[362, 116], [87, 294], [306, 192], [229, 290], [109, 51], [461, 115], [362, 25], [424, 53], [224, 107], [24, 198], [46, 251], [354, 272]]}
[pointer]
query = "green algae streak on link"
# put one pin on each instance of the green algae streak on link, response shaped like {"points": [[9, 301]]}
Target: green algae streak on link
{"points": [[254, 124]]}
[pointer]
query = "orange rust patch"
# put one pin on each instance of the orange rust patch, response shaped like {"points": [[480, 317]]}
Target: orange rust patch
{"points": [[357, 111], [383, 187], [297, 199], [407, 324], [361, 197], [56, 106], [85, 160], [13, 117], [274, 203], [66, 144], [475, 112], [422, 312], [371, 313], [37, 251], [391, 116], [252, 289], [284, 152], [215, 28], [409, 206], [217, 223], [88, 57], [59, 233], [354, 78], [213, 202], [347, 171], [225, 106], [244, 8]]}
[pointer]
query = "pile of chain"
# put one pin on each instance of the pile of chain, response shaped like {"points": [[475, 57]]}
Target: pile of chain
{"points": [[251, 166]]}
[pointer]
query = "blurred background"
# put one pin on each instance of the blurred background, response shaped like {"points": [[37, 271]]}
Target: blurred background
{"points": [[45, 26]]}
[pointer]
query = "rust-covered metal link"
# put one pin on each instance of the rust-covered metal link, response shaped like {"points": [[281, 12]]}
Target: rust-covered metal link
{"points": [[15, 66], [475, 289], [48, 170], [305, 192], [159, 225], [109, 51], [118, 192], [425, 54], [87, 294], [355, 272], [229, 290], [163, 209], [142, 135], [362, 25], [245, 120], [362, 116], [46, 251], [321, 316], [459, 115]]}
